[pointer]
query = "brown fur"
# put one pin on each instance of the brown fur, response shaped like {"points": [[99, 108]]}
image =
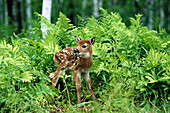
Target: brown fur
{"points": [[80, 64]]}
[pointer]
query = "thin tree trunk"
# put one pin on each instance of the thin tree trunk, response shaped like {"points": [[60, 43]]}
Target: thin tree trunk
{"points": [[15, 14], [72, 14], [10, 10], [24, 14], [1, 12], [84, 4], [61, 3], [151, 15], [157, 11], [100, 3], [169, 17], [157, 7], [46, 11], [162, 16], [6, 12], [95, 12], [145, 12], [137, 6], [114, 2], [28, 13], [84, 8], [19, 17]]}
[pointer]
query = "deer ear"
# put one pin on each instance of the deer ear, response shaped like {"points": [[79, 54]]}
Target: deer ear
{"points": [[92, 40], [77, 39]]}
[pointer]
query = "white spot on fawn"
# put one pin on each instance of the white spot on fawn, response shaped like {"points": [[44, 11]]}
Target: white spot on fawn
{"points": [[51, 75], [65, 51]]}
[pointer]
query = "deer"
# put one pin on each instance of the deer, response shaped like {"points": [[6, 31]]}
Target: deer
{"points": [[79, 59]]}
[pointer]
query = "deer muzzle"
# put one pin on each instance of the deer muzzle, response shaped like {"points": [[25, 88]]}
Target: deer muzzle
{"points": [[76, 51]]}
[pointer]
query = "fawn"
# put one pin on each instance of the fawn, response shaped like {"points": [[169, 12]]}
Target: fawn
{"points": [[79, 59]]}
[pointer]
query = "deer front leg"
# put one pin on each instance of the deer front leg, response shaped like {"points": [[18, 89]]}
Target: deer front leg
{"points": [[77, 77], [88, 82]]}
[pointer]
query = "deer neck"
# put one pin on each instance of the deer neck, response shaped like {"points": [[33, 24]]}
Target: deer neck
{"points": [[86, 62]]}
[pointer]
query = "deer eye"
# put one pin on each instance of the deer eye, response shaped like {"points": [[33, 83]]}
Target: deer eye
{"points": [[84, 46]]}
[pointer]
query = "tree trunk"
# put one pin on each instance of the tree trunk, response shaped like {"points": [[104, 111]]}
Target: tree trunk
{"points": [[61, 3], [169, 17], [145, 12], [1, 12], [84, 3], [10, 10], [157, 7], [28, 13], [6, 12], [95, 12], [114, 3], [19, 16], [162, 13], [100, 3], [150, 24], [72, 14], [137, 6], [46, 12]]}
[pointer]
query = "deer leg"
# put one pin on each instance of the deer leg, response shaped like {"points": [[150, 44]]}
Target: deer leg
{"points": [[77, 78], [88, 82], [57, 73], [56, 77]]}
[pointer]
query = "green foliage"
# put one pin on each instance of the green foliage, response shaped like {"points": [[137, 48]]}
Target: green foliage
{"points": [[154, 80], [20, 70], [130, 71]]}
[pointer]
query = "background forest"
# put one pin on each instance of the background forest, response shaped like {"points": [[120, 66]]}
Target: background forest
{"points": [[18, 15], [131, 68]]}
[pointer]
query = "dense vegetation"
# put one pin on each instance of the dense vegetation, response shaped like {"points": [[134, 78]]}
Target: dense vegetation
{"points": [[130, 72], [18, 15]]}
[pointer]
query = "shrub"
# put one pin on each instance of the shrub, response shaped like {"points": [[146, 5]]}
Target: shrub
{"points": [[130, 71]]}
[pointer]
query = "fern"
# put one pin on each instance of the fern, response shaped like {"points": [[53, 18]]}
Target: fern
{"points": [[81, 22], [130, 69]]}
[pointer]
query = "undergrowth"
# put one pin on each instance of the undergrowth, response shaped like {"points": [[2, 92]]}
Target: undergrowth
{"points": [[130, 72]]}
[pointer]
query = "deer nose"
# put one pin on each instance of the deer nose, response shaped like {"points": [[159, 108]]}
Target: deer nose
{"points": [[76, 51]]}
